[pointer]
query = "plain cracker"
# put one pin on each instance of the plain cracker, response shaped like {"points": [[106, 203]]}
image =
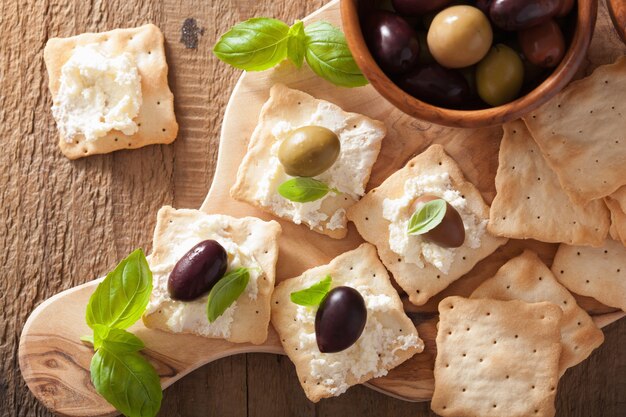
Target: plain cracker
{"points": [[618, 219], [359, 267], [530, 203], [251, 317], [528, 279], [595, 272], [496, 358], [296, 107], [581, 133], [421, 283], [156, 118]]}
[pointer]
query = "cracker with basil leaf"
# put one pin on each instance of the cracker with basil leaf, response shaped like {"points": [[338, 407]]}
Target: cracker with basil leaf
{"points": [[237, 307], [313, 195]]}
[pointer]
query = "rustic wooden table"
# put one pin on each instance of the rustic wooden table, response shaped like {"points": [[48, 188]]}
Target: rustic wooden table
{"points": [[63, 223]]}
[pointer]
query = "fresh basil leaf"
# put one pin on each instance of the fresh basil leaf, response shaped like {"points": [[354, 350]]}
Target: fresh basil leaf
{"points": [[116, 340], [127, 381], [88, 339], [226, 291], [296, 45], [254, 45], [328, 55], [312, 296], [427, 217], [120, 300], [304, 189]]}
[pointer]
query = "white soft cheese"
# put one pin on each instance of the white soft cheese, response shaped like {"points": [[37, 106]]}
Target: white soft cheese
{"points": [[373, 351], [348, 174], [97, 94], [191, 315], [413, 248]]}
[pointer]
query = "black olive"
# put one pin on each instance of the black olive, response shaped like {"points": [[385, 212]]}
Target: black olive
{"points": [[340, 319]]}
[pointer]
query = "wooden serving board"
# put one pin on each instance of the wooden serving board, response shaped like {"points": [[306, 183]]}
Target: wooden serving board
{"points": [[55, 364]]}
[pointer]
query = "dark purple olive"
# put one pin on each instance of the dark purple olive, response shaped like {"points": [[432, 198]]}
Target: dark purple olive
{"points": [[197, 271], [340, 319], [436, 85], [392, 41], [484, 5], [450, 233], [522, 14], [418, 7]]}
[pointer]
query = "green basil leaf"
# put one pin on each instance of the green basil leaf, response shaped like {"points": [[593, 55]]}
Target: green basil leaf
{"points": [[226, 291], [312, 296], [127, 381], [120, 300], [427, 217], [88, 339], [254, 45], [116, 340], [328, 55], [304, 189], [296, 45]]}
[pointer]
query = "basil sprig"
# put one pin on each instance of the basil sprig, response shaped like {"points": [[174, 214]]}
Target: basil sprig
{"points": [[226, 291], [304, 189], [261, 43], [312, 296], [427, 217], [118, 371]]}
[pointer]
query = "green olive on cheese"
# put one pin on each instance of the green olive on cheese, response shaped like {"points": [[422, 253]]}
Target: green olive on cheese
{"points": [[309, 151]]}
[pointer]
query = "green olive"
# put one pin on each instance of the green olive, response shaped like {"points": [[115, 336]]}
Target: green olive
{"points": [[499, 76], [308, 151]]}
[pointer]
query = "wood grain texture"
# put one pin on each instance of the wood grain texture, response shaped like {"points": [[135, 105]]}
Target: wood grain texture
{"points": [[54, 211]]}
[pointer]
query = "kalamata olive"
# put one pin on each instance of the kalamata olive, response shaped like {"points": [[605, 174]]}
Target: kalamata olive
{"points": [[459, 36], [483, 5], [522, 14], [450, 233], [425, 56], [340, 319], [436, 85], [543, 44], [392, 41], [418, 7], [308, 151], [566, 7], [499, 76], [197, 271]]}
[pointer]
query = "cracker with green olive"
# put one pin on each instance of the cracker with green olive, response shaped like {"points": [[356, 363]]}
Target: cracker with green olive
{"points": [[422, 283], [530, 202], [581, 131]]}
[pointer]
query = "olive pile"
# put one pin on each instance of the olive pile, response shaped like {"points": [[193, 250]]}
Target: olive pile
{"points": [[465, 54]]}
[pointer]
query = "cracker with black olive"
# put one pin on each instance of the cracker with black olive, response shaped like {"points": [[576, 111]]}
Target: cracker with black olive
{"points": [[249, 242], [261, 172], [422, 282], [388, 339]]}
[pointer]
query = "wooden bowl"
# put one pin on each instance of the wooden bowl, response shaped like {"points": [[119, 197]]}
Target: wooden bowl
{"points": [[555, 82]]}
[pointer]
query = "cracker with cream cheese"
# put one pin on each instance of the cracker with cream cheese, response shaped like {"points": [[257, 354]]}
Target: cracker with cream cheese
{"points": [[250, 243], [261, 173], [581, 133], [527, 278], [530, 202], [420, 278], [595, 272], [389, 337], [156, 120], [496, 358]]}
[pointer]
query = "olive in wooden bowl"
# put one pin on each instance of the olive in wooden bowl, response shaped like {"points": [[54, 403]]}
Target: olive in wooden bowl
{"points": [[468, 63]]}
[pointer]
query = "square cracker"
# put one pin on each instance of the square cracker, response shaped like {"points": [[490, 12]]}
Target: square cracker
{"points": [[156, 118], [421, 283], [496, 358], [176, 232], [530, 203], [387, 340], [620, 197], [595, 272], [581, 133], [360, 139], [528, 279], [618, 219]]}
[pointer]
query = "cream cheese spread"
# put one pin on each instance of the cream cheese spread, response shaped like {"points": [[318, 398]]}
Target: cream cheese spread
{"points": [[414, 248], [97, 94], [191, 315], [372, 353]]}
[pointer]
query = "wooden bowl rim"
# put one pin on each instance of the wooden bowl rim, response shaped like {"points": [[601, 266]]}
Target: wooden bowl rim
{"points": [[552, 85]]}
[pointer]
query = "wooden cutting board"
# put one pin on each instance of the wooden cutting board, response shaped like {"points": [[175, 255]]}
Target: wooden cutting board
{"points": [[55, 364]]}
